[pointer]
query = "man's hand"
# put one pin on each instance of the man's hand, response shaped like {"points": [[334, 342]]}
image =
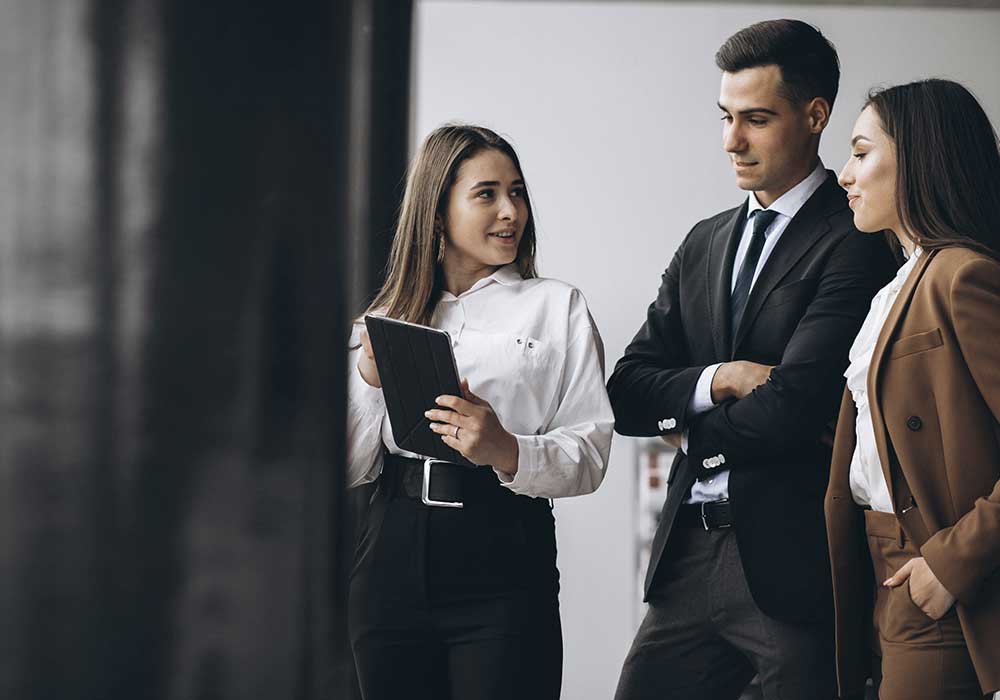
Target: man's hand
{"points": [[926, 592], [734, 380]]}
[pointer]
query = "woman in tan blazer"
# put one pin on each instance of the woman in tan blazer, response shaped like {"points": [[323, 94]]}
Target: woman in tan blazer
{"points": [[913, 507]]}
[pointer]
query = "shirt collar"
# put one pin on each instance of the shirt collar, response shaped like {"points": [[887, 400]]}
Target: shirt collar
{"points": [[506, 275], [789, 203]]}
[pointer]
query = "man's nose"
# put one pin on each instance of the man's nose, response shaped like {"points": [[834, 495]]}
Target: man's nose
{"points": [[733, 140]]}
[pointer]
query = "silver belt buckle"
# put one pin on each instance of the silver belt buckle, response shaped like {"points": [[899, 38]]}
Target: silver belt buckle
{"points": [[704, 518], [425, 490]]}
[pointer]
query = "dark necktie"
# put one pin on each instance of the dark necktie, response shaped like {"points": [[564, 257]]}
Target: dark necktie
{"points": [[762, 218]]}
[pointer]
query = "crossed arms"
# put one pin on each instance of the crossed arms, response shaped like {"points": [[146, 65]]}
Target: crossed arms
{"points": [[753, 423]]}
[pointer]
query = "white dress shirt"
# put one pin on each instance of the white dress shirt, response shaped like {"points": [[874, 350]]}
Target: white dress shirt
{"points": [[531, 349], [786, 206], [868, 486]]}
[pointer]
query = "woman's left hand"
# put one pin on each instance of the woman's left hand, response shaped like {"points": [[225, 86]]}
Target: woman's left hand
{"points": [[926, 591], [472, 427]]}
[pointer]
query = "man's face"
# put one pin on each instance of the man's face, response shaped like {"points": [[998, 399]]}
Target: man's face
{"points": [[771, 142]]}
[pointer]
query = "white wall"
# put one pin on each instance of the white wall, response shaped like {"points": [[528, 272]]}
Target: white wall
{"points": [[612, 108]]}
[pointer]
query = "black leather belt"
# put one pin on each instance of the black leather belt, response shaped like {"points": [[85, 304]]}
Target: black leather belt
{"points": [[710, 516], [441, 484]]}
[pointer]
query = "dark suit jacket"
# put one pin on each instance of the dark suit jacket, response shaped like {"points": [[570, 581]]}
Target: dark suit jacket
{"points": [[934, 395], [802, 315]]}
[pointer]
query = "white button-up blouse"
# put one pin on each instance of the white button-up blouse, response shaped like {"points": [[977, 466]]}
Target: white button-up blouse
{"points": [[531, 349], [868, 486]]}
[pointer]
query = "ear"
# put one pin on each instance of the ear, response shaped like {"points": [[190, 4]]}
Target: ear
{"points": [[818, 114]]}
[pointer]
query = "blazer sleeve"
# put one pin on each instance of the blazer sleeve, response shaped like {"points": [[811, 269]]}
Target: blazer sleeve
{"points": [[794, 406], [653, 382], [966, 554]]}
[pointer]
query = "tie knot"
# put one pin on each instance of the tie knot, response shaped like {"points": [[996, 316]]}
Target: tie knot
{"points": [[762, 218]]}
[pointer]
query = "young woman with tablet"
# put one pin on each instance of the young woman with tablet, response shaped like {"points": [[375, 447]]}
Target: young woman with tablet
{"points": [[462, 602]]}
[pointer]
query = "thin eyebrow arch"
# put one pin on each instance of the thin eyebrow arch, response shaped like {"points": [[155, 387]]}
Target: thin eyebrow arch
{"points": [[859, 137], [752, 110], [495, 183]]}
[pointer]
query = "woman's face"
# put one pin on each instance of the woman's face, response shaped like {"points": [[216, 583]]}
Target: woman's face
{"points": [[485, 214], [870, 176]]}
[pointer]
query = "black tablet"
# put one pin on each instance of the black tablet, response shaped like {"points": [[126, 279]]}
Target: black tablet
{"points": [[415, 365]]}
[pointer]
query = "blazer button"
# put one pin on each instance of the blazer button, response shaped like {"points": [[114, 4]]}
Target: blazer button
{"points": [[914, 423]]}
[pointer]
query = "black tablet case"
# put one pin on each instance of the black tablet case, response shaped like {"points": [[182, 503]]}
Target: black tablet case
{"points": [[415, 365]]}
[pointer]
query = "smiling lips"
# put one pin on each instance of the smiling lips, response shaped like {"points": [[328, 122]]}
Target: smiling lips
{"points": [[503, 235], [744, 164]]}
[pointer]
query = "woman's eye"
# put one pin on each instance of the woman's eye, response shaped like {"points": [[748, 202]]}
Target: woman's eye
{"points": [[757, 122], [485, 194], [859, 156], [726, 118], [517, 193]]}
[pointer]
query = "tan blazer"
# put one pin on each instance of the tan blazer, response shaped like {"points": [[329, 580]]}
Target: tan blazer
{"points": [[934, 393]]}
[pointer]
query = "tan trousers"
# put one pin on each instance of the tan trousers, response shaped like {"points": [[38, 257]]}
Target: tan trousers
{"points": [[922, 659]]}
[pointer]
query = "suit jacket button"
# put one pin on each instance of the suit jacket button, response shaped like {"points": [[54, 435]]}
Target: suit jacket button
{"points": [[914, 423]]}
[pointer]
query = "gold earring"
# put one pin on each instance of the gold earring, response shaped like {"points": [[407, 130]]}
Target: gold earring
{"points": [[441, 244]]}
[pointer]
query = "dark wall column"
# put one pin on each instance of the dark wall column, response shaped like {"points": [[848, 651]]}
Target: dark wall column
{"points": [[174, 304]]}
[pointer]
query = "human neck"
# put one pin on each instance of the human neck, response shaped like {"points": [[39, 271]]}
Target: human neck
{"points": [[768, 198], [909, 245], [459, 278]]}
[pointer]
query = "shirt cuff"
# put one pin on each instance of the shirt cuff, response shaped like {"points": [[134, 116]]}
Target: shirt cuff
{"points": [[527, 465], [701, 400]]}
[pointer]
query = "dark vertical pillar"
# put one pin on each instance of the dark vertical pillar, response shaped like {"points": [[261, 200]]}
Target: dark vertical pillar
{"points": [[381, 51], [239, 487], [174, 302]]}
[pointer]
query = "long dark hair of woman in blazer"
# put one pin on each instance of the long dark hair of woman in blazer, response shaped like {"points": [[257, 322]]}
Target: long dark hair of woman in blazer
{"points": [[913, 508]]}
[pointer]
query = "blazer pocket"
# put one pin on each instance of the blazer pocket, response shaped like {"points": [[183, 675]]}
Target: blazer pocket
{"points": [[917, 342]]}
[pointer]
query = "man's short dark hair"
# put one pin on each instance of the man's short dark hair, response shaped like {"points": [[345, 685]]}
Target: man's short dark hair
{"points": [[807, 60]]}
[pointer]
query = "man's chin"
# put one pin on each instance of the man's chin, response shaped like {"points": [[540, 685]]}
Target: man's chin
{"points": [[749, 182]]}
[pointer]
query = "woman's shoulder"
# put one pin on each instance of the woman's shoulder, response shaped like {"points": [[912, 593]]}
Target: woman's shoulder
{"points": [[554, 287], [957, 263], [961, 277]]}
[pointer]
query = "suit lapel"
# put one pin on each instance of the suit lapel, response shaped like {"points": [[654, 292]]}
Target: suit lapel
{"points": [[719, 277], [807, 226], [888, 331]]}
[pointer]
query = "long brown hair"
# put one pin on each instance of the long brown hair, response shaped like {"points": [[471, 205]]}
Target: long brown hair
{"points": [[413, 278], [947, 164]]}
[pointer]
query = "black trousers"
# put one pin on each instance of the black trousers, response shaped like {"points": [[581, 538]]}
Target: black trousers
{"points": [[456, 603]]}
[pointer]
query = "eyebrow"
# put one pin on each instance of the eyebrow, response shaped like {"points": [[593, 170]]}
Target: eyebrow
{"points": [[859, 137], [493, 183], [752, 110]]}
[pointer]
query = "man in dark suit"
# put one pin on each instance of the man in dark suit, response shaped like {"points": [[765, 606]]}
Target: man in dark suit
{"points": [[739, 365]]}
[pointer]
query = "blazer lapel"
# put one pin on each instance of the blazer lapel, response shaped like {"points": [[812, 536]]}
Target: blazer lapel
{"points": [[719, 277], [888, 331], [807, 226]]}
